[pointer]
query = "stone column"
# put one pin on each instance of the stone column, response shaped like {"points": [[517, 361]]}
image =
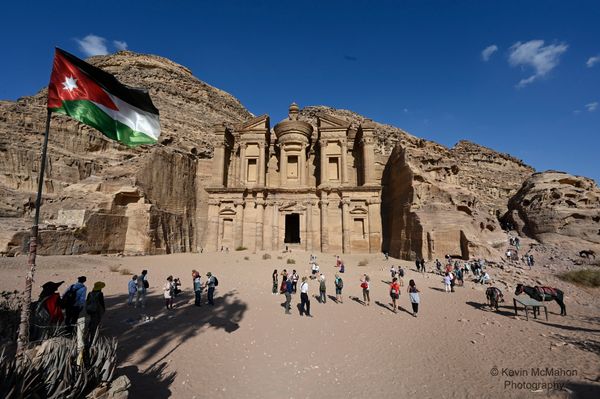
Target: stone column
{"points": [[309, 229], [219, 164], [261, 164], [235, 169], [283, 169], [260, 210], [275, 237], [324, 227], [374, 205], [345, 226], [323, 161], [242, 164], [368, 159], [302, 165], [239, 225], [344, 161], [212, 235]]}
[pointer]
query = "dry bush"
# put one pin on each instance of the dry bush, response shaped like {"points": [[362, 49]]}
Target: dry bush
{"points": [[246, 258], [126, 272], [114, 268], [363, 262], [266, 256], [585, 277], [280, 257], [291, 261], [241, 248]]}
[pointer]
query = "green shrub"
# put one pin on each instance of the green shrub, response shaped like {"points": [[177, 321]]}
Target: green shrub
{"points": [[585, 277]]}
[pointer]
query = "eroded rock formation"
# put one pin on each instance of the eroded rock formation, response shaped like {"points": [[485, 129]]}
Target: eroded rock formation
{"points": [[558, 208]]}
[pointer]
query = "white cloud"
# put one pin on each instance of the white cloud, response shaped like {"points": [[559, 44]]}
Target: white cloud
{"points": [[534, 54], [93, 45], [488, 51], [120, 45], [405, 110], [591, 107], [593, 61]]}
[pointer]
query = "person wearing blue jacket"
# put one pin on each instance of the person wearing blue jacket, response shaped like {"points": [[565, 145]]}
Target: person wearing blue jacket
{"points": [[74, 302]]}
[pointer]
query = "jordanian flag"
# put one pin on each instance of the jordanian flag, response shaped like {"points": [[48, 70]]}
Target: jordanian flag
{"points": [[96, 98]]}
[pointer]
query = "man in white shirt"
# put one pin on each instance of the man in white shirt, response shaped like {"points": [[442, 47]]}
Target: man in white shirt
{"points": [[304, 301]]}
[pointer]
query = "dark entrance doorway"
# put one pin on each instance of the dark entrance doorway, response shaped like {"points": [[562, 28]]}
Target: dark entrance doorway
{"points": [[292, 228]]}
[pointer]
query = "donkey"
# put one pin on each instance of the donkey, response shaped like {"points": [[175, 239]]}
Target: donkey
{"points": [[494, 296], [544, 294]]}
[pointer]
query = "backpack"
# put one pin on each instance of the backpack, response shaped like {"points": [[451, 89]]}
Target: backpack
{"points": [[70, 297], [91, 304], [216, 281], [146, 283]]}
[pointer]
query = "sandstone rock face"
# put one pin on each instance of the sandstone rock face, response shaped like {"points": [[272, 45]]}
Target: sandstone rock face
{"points": [[558, 208], [141, 200], [436, 200]]}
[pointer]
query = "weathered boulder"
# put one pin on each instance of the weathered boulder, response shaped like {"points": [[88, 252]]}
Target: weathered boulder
{"points": [[558, 208]]}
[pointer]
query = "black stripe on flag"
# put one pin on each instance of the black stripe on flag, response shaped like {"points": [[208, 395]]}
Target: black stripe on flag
{"points": [[134, 96]]}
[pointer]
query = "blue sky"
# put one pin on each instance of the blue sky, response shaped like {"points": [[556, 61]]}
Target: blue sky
{"points": [[417, 65]]}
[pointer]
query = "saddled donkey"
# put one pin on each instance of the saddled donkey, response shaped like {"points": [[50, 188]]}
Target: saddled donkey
{"points": [[494, 297], [544, 294]]}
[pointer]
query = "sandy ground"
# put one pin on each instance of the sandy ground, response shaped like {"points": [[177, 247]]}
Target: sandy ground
{"points": [[246, 347]]}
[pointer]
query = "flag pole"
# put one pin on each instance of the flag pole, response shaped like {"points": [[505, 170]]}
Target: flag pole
{"points": [[23, 337]]}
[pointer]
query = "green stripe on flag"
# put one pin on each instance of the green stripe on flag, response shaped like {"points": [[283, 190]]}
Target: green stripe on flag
{"points": [[90, 114]]}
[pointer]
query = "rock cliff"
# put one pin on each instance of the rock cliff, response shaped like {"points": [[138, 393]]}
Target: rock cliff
{"points": [[558, 208], [100, 196]]}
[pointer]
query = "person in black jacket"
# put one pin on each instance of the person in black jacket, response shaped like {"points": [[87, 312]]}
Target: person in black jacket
{"points": [[95, 308]]}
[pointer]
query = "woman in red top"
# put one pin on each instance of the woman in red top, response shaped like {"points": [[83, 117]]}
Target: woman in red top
{"points": [[395, 292]]}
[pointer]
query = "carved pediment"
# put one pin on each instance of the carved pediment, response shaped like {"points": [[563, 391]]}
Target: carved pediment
{"points": [[359, 211], [331, 122], [227, 212], [259, 123], [292, 206]]}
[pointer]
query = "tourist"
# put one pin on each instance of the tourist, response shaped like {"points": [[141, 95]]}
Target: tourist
{"points": [[168, 292], [322, 289], [211, 283], [423, 266], [365, 284], [438, 266], [447, 282], [47, 311], [283, 287], [485, 278], [452, 281], [418, 264], [393, 272], [304, 299], [386, 255], [95, 308], [132, 289], [531, 261], [197, 281], [395, 293], [74, 302], [459, 277], [400, 272], [295, 278], [343, 268], [275, 281], [338, 261], [288, 295], [142, 288], [413, 294], [517, 243], [339, 285]]}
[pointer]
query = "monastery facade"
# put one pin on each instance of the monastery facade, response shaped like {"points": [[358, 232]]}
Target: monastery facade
{"points": [[295, 186]]}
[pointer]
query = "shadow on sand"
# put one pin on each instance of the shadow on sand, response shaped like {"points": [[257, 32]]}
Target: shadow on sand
{"points": [[142, 338], [502, 310]]}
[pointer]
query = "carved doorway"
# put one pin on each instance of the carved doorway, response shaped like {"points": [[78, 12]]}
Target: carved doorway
{"points": [[292, 228]]}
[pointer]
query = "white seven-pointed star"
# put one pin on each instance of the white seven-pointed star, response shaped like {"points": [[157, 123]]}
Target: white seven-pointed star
{"points": [[70, 83]]}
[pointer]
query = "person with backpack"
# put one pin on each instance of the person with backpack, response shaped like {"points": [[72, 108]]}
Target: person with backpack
{"points": [[74, 301], [142, 289], [132, 289], [46, 311], [295, 278], [413, 294], [394, 293], [288, 295], [339, 284], [197, 288], [322, 289], [95, 308], [211, 283]]}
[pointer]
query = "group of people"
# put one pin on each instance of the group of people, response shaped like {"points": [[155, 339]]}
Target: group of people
{"points": [[77, 311]]}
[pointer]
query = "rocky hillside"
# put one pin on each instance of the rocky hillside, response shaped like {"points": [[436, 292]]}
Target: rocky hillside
{"points": [[131, 204], [558, 208]]}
